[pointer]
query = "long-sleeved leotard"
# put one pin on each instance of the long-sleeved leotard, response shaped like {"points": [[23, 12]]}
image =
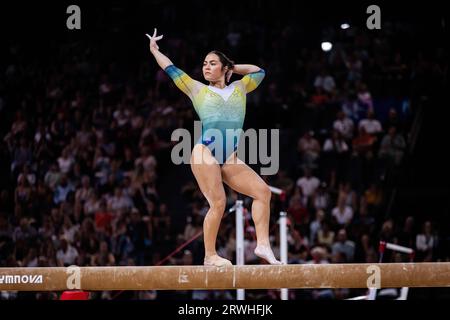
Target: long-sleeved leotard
{"points": [[219, 109]]}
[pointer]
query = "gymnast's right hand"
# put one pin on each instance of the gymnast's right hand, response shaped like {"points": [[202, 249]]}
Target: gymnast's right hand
{"points": [[153, 39]]}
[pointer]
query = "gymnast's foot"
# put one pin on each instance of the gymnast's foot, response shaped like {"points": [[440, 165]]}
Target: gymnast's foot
{"points": [[266, 253], [216, 261]]}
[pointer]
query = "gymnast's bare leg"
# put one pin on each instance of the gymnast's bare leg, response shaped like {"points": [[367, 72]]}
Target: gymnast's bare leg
{"points": [[209, 178], [241, 178]]}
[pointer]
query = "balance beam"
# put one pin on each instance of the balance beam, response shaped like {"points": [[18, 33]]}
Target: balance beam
{"points": [[389, 275]]}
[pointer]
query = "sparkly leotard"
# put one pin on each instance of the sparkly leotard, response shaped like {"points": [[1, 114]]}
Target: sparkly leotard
{"points": [[221, 111]]}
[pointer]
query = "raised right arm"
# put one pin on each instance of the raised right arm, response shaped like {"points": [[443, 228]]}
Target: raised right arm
{"points": [[161, 59], [185, 83]]}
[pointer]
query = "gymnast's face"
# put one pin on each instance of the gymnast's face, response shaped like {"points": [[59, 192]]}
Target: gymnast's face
{"points": [[212, 68]]}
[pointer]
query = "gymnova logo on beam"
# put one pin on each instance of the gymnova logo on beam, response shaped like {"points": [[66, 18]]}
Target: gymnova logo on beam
{"points": [[19, 279], [222, 145]]}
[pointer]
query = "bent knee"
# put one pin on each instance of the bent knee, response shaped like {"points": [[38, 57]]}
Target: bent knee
{"points": [[218, 204], [263, 193]]}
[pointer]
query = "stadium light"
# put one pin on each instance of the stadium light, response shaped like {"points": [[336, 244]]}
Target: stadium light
{"points": [[345, 26], [326, 46]]}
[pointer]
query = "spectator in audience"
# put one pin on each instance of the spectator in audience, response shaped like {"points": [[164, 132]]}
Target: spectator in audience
{"points": [[426, 243], [343, 245], [25, 232], [91, 205], [104, 257], [371, 125], [309, 149], [325, 81], [335, 144], [63, 188], [364, 97], [52, 177], [344, 125], [29, 176], [374, 198], [121, 245], [297, 208], [363, 248], [23, 193], [69, 230], [351, 107], [297, 247], [342, 213], [19, 125], [354, 67], [84, 193], [407, 236], [22, 155], [392, 148], [321, 198], [349, 195], [316, 225], [65, 161], [193, 227], [103, 215], [387, 231], [319, 255], [67, 254], [47, 230], [119, 202], [393, 120], [325, 236], [308, 183], [363, 144]]}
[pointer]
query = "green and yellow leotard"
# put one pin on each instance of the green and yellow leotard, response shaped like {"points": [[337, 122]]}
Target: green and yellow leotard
{"points": [[220, 110]]}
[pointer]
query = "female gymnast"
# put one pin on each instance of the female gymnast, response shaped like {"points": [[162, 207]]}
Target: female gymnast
{"points": [[221, 107]]}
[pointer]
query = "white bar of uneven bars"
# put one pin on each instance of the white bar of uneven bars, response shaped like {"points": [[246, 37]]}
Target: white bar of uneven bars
{"points": [[396, 247], [240, 259], [276, 190], [283, 248]]}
